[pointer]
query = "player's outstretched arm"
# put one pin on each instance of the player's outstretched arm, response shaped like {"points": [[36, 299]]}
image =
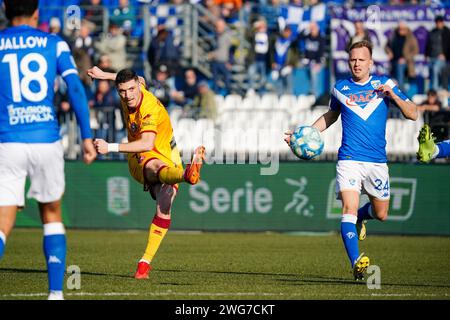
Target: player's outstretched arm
{"points": [[326, 120], [145, 143], [97, 73]]}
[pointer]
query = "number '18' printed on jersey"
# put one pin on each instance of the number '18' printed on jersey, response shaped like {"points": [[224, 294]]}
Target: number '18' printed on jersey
{"points": [[30, 60]]}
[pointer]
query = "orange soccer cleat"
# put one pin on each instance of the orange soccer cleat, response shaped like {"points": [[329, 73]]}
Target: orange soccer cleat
{"points": [[142, 271], [192, 172]]}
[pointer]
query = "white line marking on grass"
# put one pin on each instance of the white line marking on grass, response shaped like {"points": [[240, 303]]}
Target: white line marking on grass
{"points": [[220, 294], [168, 293]]}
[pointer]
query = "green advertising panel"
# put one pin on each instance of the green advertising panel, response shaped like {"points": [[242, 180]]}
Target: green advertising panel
{"points": [[300, 197]]}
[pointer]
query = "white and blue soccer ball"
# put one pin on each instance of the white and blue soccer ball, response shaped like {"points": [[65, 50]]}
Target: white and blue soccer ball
{"points": [[306, 142]]}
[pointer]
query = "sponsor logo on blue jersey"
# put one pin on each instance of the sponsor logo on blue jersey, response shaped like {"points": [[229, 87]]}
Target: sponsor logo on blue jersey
{"points": [[364, 113]]}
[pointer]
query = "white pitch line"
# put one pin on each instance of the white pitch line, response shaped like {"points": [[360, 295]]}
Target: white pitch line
{"points": [[220, 294], [148, 294]]}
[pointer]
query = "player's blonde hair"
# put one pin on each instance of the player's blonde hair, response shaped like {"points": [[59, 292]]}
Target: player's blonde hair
{"points": [[362, 44]]}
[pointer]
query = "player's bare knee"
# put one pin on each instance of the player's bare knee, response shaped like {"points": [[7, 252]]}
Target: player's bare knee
{"points": [[153, 167], [50, 207]]}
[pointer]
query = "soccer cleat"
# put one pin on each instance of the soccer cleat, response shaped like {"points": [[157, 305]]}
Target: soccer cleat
{"points": [[360, 266], [192, 172], [142, 271], [427, 147], [361, 229], [55, 295]]}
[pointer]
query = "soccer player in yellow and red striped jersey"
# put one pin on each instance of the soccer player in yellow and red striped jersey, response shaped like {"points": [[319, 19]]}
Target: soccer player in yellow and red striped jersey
{"points": [[153, 157]]}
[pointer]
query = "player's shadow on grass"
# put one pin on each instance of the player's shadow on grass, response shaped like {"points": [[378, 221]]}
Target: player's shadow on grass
{"points": [[82, 272], [23, 270], [233, 272], [302, 279], [315, 279]]}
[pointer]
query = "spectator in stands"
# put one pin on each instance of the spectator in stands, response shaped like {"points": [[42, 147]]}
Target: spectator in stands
{"points": [[204, 105], [186, 95], [258, 56], [3, 19], [271, 12], [94, 11], [61, 103], [162, 51], [317, 12], [229, 9], [105, 101], [314, 55], [124, 16], [214, 9], [113, 44], [438, 53], [105, 63], [431, 103], [283, 59], [104, 95], [220, 57], [361, 34], [61, 98], [84, 62], [83, 39], [55, 28], [292, 16], [160, 86], [402, 47]]}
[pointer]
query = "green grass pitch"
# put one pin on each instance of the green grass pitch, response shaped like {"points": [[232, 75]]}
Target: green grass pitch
{"points": [[229, 266]]}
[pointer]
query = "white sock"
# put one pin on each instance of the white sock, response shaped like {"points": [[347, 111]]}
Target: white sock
{"points": [[54, 228], [436, 152], [3, 237]]}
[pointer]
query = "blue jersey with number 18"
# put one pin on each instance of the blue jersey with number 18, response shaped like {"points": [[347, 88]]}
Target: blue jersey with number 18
{"points": [[29, 63]]}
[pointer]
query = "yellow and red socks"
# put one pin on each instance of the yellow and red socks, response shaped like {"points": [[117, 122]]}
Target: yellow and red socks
{"points": [[158, 230], [170, 175], [350, 236], [365, 212], [55, 255], [2, 243]]}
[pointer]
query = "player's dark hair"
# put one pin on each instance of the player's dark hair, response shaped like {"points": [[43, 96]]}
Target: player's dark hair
{"points": [[126, 75], [362, 44], [22, 8]]}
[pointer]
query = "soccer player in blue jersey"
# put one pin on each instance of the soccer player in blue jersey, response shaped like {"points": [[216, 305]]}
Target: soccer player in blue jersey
{"points": [[428, 148], [30, 144], [362, 101]]}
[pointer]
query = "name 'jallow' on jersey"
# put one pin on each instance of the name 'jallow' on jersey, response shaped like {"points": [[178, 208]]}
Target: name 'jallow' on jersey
{"points": [[30, 60], [364, 113]]}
